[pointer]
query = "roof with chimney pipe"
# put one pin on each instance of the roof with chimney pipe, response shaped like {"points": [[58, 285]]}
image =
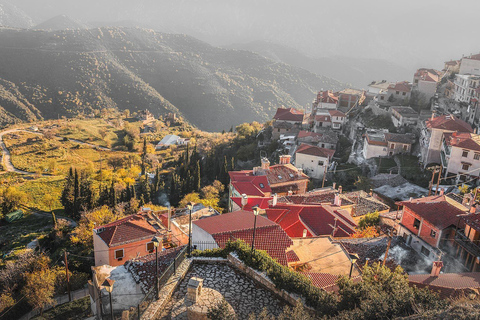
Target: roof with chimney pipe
{"points": [[289, 114], [315, 151], [449, 284], [448, 123], [464, 140], [261, 202]]}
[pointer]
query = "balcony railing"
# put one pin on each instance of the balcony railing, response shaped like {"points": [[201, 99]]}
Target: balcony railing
{"points": [[444, 159], [466, 243]]}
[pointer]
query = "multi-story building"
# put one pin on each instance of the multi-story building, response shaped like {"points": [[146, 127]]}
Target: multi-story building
{"points": [[467, 240], [428, 224], [348, 98], [287, 121], [403, 116], [399, 91], [327, 139], [460, 155], [432, 132], [386, 144], [426, 81], [324, 118], [470, 65], [313, 160], [465, 86], [325, 100]]}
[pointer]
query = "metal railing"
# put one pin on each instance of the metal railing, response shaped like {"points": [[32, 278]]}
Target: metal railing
{"points": [[151, 295], [467, 244], [204, 245]]}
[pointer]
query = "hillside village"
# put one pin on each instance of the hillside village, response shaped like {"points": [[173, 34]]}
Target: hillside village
{"points": [[301, 211]]}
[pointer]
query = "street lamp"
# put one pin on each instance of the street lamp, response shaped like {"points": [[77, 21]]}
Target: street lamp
{"points": [[108, 285], [190, 208], [156, 243], [353, 258], [256, 211]]}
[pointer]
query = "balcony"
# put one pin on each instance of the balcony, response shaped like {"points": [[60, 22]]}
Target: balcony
{"points": [[444, 159], [467, 244]]}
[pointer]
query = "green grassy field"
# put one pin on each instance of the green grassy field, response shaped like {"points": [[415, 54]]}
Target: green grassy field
{"points": [[95, 131]]}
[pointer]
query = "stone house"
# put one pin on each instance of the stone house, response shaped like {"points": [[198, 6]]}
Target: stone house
{"points": [[386, 144], [403, 116], [460, 155], [399, 91], [327, 139]]}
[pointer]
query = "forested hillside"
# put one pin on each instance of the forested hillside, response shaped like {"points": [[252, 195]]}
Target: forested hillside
{"points": [[46, 74]]}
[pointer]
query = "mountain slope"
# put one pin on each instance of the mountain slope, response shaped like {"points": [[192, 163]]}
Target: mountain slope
{"points": [[61, 22], [11, 16], [357, 71], [72, 71]]}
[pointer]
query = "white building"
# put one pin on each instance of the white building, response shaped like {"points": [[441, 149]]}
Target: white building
{"points": [[470, 65], [426, 81], [465, 86], [313, 160], [460, 155], [403, 116], [386, 144], [432, 135]]}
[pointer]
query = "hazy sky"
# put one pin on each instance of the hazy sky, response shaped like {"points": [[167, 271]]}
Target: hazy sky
{"points": [[410, 32]]}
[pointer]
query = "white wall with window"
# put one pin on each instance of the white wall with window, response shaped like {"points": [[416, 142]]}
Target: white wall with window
{"points": [[313, 166], [463, 163]]}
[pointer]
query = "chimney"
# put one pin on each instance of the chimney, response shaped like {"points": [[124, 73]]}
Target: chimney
{"points": [[290, 192], [274, 200], [265, 164], [340, 189], [244, 200], [304, 233], [371, 192], [473, 209], [338, 200], [437, 267], [442, 191], [169, 219], [433, 116], [299, 172], [334, 185], [285, 159]]}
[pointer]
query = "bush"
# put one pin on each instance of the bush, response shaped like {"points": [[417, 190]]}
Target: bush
{"points": [[369, 220]]}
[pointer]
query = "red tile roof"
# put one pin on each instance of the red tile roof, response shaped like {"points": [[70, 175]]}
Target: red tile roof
{"points": [[430, 75], [261, 202], [303, 134], [463, 140], [403, 86], [232, 221], [289, 114], [449, 284], [326, 281], [323, 118], [474, 57], [449, 123], [336, 113], [246, 183], [326, 97], [317, 219], [473, 220], [269, 236], [375, 140], [434, 209], [126, 230], [315, 151], [272, 239], [292, 256]]}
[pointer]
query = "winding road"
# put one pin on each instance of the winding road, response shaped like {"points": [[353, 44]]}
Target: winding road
{"points": [[6, 158]]}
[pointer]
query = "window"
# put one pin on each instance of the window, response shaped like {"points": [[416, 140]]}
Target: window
{"points": [[425, 251], [416, 80], [433, 233], [416, 223], [262, 185], [465, 153], [280, 177], [405, 147], [465, 166], [404, 93], [150, 247], [320, 163], [397, 92], [323, 145], [382, 98], [291, 175], [392, 146], [119, 254], [476, 156]]}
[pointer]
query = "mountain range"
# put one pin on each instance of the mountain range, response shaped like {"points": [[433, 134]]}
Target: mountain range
{"points": [[46, 74]]}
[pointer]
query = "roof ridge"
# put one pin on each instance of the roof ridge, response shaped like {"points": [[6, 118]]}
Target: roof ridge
{"points": [[113, 235]]}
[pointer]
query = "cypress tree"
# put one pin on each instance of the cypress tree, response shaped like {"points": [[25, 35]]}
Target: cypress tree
{"points": [[198, 177], [144, 155], [76, 196], [112, 196], [67, 197]]}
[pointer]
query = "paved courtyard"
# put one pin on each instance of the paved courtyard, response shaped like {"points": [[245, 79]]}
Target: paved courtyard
{"points": [[242, 293]]}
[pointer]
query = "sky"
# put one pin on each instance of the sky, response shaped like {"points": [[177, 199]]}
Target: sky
{"points": [[411, 33]]}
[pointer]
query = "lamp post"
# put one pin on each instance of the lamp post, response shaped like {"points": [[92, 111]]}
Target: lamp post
{"points": [[353, 258], [108, 285], [190, 208], [256, 211], [156, 243]]}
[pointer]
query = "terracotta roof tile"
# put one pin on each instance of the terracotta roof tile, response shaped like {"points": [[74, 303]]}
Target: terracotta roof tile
{"points": [[315, 151], [403, 86], [449, 123], [449, 284], [261, 202], [289, 114], [463, 140], [326, 281], [292, 256], [126, 230], [336, 113], [232, 221]]}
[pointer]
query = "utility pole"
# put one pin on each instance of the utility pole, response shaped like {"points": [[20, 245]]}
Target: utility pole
{"points": [[324, 173], [388, 248], [438, 181], [68, 277], [431, 182]]}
